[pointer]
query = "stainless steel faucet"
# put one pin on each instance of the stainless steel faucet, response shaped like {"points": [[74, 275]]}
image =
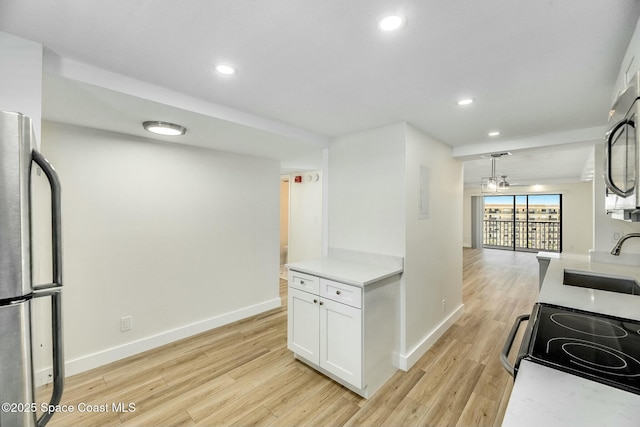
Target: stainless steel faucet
{"points": [[616, 249]]}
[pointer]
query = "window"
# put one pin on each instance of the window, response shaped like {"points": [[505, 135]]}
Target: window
{"points": [[524, 223]]}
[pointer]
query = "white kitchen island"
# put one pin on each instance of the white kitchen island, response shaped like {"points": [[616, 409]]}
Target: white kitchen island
{"points": [[543, 396], [343, 317]]}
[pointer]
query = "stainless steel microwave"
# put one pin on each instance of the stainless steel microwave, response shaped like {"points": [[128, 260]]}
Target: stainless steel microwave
{"points": [[622, 151]]}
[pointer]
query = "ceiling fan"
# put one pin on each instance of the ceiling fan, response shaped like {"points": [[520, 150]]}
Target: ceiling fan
{"points": [[503, 184], [493, 184]]}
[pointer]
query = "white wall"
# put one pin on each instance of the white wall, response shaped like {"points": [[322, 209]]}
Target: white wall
{"points": [[21, 78], [367, 191], [433, 259], [374, 195], [305, 216], [183, 239], [577, 213]]}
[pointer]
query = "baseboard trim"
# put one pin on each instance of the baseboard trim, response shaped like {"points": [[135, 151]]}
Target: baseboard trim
{"points": [[84, 363], [405, 362]]}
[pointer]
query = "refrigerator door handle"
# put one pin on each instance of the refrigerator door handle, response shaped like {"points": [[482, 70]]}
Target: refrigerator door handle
{"points": [[58, 354], [56, 227], [53, 289]]}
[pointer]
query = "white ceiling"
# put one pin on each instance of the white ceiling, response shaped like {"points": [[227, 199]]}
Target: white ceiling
{"points": [[73, 102], [312, 70], [562, 164]]}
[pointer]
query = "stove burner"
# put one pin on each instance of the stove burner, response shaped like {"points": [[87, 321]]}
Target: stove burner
{"points": [[597, 357], [588, 325], [594, 346], [609, 355]]}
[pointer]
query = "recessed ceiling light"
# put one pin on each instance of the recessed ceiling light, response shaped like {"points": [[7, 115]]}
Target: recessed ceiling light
{"points": [[494, 133], [466, 101], [164, 128], [225, 69], [391, 23]]}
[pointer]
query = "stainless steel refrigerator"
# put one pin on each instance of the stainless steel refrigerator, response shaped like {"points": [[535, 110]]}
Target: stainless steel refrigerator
{"points": [[17, 292]]}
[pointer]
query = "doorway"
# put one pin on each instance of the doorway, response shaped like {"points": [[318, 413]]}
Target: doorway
{"points": [[531, 222], [284, 224]]}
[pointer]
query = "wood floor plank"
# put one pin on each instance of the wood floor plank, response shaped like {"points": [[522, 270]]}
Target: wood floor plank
{"points": [[243, 374], [488, 339], [503, 404], [336, 413], [479, 411], [273, 360], [179, 418], [407, 413], [311, 385], [427, 390], [310, 405], [259, 416], [177, 397], [448, 406], [236, 401], [369, 415], [491, 384]]}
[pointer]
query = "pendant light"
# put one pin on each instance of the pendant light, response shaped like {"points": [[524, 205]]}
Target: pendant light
{"points": [[491, 184]]}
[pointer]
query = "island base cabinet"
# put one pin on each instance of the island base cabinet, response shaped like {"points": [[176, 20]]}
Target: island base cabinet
{"points": [[327, 334], [344, 331]]}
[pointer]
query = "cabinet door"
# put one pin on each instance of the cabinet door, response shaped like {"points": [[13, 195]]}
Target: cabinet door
{"points": [[303, 324], [341, 341]]}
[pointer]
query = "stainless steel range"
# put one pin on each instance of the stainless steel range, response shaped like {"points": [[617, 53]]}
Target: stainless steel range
{"points": [[598, 347]]}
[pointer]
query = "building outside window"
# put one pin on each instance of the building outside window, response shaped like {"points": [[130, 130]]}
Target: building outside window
{"points": [[525, 223]]}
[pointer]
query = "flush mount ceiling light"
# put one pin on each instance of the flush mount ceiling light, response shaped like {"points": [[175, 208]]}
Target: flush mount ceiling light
{"points": [[226, 69], [465, 101], [391, 23], [164, 128], [494, 133]]}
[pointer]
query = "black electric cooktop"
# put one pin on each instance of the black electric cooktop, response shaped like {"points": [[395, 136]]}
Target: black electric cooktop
{"points": [[593, 346]]}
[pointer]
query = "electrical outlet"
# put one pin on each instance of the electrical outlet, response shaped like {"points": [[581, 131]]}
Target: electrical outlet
{"points": [[444, 305], [126, 323]]}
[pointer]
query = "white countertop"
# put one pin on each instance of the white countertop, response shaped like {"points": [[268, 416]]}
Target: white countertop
{"points": [[615, 304], [543, 396], [346, 271], [547, 397]]}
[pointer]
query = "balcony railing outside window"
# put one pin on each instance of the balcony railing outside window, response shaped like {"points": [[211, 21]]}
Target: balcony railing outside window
{"points": [[527, 222], [542, 236]]}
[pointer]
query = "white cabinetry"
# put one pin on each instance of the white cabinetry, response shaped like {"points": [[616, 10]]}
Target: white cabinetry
{"points": [[303, 334], [341, 341], [345, 331]]}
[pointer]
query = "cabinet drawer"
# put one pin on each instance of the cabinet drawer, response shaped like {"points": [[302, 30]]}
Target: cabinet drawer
{"points": [[341, 292], [304, 282]]}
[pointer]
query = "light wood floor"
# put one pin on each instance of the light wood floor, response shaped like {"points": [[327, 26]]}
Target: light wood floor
{"points": [[242, 374]]}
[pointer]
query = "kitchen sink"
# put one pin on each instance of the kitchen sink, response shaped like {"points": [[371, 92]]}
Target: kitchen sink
{"points": [[583, 279]]}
